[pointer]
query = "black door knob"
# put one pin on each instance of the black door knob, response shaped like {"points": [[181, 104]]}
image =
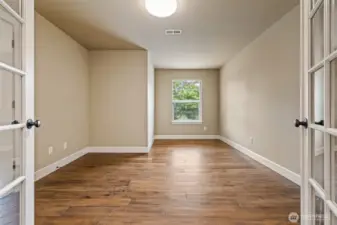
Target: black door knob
{"points": [[320, 123], [15, 122], [303, 123], [31, 123]]}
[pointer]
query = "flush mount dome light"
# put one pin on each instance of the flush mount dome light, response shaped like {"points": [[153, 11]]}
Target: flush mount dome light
{"points": [[161, 8]]}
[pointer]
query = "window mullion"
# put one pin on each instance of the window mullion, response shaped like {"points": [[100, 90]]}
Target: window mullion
{"points": [[186, 101]]}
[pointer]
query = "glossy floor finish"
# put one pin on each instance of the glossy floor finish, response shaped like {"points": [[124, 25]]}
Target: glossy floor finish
{"points": [[179, 182]]}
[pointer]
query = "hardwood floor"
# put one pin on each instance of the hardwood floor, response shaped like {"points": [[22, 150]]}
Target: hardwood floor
{"points": [[179, 182]]}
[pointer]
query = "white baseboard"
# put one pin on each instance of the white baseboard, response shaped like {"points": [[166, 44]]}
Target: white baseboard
{"points": [[186, 137], [294, 177], [125, 150], [264, 161], [65, 161], [61, 163]]}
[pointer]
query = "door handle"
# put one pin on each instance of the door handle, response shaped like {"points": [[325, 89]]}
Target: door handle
{"points": [[303, 123], [15, 122], [320, 123], [30, 123]]}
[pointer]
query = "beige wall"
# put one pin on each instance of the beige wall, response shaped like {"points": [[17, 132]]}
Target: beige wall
{"points": [[118, 98], [260, 94], [62, 93], [163, 102]]}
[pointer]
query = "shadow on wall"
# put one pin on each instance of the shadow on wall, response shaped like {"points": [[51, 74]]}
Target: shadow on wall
{"points": [[103, 39]]}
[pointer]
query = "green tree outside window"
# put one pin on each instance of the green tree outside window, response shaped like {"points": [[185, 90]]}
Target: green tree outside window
{"points": [[186, 100]]}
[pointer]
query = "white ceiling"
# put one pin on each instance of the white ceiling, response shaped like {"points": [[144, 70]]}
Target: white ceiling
{"points": [[213, 30]]}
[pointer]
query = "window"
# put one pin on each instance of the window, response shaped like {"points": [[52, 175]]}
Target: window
{"points": [[186, 101]]}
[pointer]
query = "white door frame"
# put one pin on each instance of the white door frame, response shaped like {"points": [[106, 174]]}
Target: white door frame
{"points": [[26, 19], [310, 188]]}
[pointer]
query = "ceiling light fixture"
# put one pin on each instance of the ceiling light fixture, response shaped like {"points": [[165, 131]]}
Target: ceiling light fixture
{"points": [[161, 8]]}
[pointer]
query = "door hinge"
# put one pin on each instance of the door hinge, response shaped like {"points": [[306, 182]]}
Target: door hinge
{"points": [[13, 43], [13, 104], [14, 165]]}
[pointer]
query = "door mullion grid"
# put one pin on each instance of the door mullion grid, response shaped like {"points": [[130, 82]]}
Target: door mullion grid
{"points": [[317, 67], [12, 69], [12, 11], [332, 56], [5, 190], [327, 93], [314, 188], [315, 8], [333, 111], [320, 192], [305, 161], [22, 22], [317, 127], [308, 189], [333, 207]]}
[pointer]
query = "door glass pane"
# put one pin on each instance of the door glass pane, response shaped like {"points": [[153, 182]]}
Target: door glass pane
{"points": [[313, 2], [10, 156], [334, 93], [334, 168], [14, 4], [6, 98], [317, 156], [317, 36], [10, 39], [334, 25], [317, 95], [17, 105], [318, 209], [10, 208], [10, 98], [6, 38]]}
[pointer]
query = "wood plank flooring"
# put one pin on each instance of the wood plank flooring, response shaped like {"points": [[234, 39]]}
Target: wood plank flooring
{"points": [[179, 182]]}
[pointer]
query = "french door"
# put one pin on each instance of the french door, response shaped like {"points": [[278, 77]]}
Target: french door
{"points": [[16, 107], [319, 112]]}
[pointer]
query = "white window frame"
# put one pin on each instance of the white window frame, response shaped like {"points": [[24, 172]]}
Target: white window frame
{"points": [[200, 101]]}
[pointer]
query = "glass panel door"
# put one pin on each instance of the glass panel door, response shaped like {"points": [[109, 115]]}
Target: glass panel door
{"points": [[15, 5], [16, 107], [318, 209], [333, 25], [317, 36], [317, 89], [319, 155]]}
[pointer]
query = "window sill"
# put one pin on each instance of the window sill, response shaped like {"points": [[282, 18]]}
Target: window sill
{"points": [[187, 122]]}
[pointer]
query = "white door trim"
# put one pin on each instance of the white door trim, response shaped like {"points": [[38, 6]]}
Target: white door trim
{"points": [[28, 43]]}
